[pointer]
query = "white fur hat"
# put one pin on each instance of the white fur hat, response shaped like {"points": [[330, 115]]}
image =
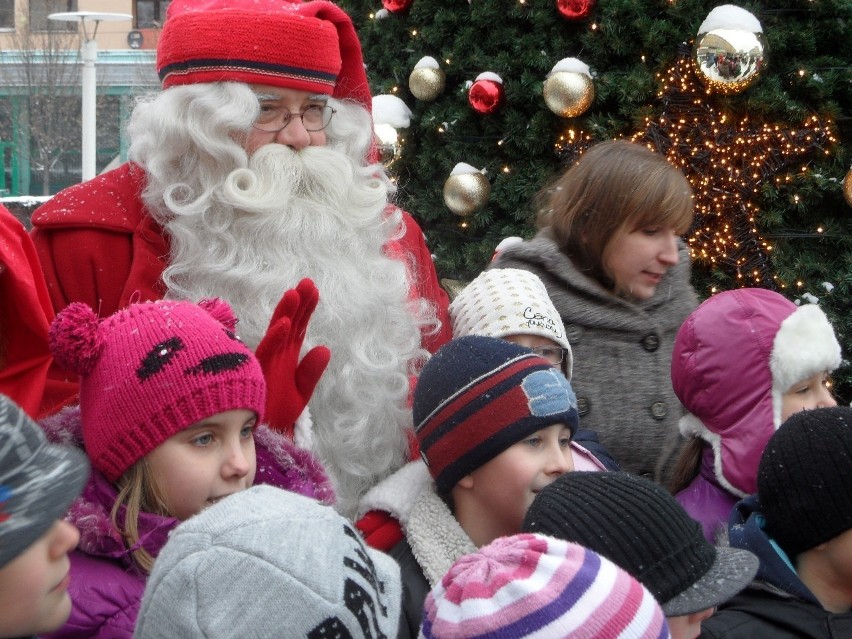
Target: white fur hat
{"points": [[508, 301], [804, 345]]}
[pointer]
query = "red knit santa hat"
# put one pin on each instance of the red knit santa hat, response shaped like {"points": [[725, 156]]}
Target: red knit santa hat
{"points": [[309, 46]]}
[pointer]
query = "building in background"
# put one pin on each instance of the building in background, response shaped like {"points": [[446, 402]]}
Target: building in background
{"points": [[40, 87]]}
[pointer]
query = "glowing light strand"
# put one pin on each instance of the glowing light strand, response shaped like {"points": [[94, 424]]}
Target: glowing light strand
{"points": [[726, 160]]}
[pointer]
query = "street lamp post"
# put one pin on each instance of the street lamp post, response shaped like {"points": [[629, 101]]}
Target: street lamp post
{"points": [[90, 56]]}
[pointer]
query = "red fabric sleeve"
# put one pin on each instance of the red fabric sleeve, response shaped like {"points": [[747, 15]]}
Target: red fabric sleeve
{"points": [[25, 316]]}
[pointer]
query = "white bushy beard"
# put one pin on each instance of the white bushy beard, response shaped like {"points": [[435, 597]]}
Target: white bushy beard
{"points": [[313, 213]]}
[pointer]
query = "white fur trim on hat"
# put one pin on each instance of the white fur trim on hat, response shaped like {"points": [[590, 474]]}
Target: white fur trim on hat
{"points": [[508, 301], [804, 345]]}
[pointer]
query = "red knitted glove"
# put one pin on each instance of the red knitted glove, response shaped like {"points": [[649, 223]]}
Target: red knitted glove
{"points": [[290, 382]]}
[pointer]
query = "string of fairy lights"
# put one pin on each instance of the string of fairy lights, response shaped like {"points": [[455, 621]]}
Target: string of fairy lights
{"points": [[726, 160]]}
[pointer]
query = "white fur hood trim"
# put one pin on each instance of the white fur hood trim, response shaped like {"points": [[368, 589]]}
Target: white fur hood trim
{"points": [[804, 346], [435, 536], [396, 494]]}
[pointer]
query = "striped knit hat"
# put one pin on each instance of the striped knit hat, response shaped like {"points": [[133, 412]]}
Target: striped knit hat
{"points": [[534, 586], [477, 396], [308, 46]]}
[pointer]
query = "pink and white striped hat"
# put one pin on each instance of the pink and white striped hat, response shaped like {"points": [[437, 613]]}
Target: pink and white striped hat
{"points": [[530, 585]]}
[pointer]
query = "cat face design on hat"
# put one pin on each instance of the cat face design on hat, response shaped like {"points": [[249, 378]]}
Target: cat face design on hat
{"points": [[150, 371]]}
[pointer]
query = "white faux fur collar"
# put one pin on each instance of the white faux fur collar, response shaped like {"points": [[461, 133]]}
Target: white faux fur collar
{"points": [[396, 494], [435, 536]]}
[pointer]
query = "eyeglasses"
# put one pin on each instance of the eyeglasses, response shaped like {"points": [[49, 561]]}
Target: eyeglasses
{"points": [[314, 118], [553, 354]]}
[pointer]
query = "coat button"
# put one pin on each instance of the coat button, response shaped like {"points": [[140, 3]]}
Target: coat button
{"points": [[659, 410], [651, 342], [584, 405], [573, 333]]}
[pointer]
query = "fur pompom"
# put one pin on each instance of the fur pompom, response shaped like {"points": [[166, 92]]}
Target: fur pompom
{"points": [[221, 311], [74, 338]]}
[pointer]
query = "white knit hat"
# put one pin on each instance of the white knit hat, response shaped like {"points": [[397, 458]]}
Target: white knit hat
{"points": [[508, 301]]}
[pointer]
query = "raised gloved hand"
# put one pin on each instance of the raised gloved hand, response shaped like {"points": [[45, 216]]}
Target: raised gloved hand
{"points": [[290, 382]]}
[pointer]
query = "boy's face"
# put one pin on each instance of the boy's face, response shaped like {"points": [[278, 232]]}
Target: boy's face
{"points": [[805, 395], [505, 486], [202, 464], [34, 586]]}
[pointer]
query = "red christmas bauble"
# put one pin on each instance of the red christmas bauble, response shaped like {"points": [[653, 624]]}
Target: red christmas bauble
{"points": [[396, 6], [485, 96], [575, 9]]}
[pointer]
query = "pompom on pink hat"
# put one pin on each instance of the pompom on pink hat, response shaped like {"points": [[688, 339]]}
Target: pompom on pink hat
{"points": [[151, 370]]}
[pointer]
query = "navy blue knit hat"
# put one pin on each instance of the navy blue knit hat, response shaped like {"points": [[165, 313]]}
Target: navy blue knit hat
{"points": [[477, 396]]}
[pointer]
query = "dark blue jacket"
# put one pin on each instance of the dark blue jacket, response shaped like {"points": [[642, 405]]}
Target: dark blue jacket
{"points": [[777, 604]]}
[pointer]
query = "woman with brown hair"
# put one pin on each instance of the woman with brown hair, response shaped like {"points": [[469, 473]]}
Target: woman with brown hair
{"points": [[610, 254]]}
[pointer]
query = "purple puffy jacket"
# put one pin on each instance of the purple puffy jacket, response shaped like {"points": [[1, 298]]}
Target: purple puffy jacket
{"points": [[106, 586]]}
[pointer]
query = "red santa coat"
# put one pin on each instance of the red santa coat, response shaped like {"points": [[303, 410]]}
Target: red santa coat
{"points": [[25, 315], [98, 245]]}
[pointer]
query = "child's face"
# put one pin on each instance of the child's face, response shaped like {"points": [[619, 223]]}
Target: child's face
{"points": [[202, 464], [688, 626], [637, 260], [807, 394], [34, 586], [505, 486]]}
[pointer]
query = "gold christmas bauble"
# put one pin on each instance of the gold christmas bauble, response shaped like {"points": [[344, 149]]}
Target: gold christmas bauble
{"points": [[847, 187], [465, 193], [568, 93], [426, 83], [729, 60]]}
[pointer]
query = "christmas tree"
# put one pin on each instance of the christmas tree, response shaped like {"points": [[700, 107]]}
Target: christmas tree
{"points": [[769, 156]]}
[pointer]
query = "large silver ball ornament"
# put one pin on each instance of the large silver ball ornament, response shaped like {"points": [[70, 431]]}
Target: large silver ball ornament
{"points": [[568, 94], [466, 193], [729, 60]]}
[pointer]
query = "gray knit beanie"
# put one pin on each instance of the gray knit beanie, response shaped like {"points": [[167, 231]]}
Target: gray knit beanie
{"points": [[269, 563], [38, 480]]}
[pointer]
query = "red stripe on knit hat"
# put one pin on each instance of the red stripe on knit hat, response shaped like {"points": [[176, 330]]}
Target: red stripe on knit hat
{"points": [[495, 417], [472, 392]]}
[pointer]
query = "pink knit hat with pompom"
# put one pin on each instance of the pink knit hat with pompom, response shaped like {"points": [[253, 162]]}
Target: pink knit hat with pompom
{"points": [[151, 370]]}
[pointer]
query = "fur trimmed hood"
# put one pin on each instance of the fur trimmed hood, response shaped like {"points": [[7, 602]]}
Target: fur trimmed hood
{"points": [[734, 358]]}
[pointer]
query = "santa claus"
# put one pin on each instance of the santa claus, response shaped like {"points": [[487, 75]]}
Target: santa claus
{"points": [[248, 172]]}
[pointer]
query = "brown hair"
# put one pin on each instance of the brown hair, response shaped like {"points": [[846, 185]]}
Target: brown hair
{"points": [[687, 466], [138, 492], [614, 185]]}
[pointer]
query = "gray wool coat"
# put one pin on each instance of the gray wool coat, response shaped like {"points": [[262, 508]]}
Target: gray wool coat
{"points": [[622, 354]]}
